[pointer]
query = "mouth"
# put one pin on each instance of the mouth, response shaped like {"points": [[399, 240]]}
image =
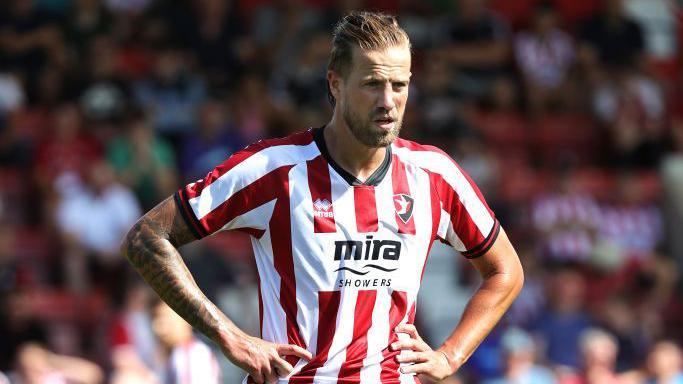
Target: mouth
{"points": [[385, 123]]}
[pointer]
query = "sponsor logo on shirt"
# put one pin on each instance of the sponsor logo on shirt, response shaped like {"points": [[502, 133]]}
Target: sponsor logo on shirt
{"points": [[379, 251]]}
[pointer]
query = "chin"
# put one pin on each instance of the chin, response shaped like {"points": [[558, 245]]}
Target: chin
{"points": [[385, 142], [386, 139], [372, 137]]}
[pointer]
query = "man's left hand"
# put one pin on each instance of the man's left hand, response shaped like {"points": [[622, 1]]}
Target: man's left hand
{"points": [[428, 363]]}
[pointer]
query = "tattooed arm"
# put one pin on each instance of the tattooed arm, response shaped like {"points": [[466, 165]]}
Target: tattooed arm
{"points": [[151, 247]]}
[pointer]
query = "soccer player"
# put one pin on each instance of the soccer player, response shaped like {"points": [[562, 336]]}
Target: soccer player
{"points": [[341, 219]]}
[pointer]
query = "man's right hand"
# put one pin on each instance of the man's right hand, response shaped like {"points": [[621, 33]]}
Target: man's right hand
{"points": [[263, 360]]}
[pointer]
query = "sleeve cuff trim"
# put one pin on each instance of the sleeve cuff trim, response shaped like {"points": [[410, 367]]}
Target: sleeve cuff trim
{"points": [[486, 244], [185, 211]]}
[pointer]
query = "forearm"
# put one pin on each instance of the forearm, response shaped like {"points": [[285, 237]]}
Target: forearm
{"points": [[481, 314], [158, 261]]}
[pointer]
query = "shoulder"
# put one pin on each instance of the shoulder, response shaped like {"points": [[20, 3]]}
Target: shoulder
{"points": [[290, 142], [424, 156], [413, 146], [265, 156], [277, 152]]}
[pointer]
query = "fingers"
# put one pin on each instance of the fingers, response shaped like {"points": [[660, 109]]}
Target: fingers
{"points": [[271, 377], [430, 364], [258, 378], [422, 368], [412, 357], [281, 367], [411, 344], [293, 350], [409, 329], [255, 378], [276, 366]]}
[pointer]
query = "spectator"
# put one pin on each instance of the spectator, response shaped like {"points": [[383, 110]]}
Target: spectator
{"points": [[253, 112], [624, 318], [92, 221], [565, 319], [217, 38], [36, 364], [172, 95], [631, 223], [599, 353], [143, 161], [665, 364], [66, 152], [128, 7], [18, 325], [612, 39], [15, 148], [303, 81], [476, 45], [532, 299], [214, 141], [544, 56], [520, 356], [11, 93], [671, 172], [631, 106], [184, 356], [86, 20], [105, 93], [441, 102], [29, 40], [566, 221], [131, 331]]}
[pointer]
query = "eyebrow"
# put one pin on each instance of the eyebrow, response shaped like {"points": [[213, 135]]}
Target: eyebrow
{"points": [[379, 78]]}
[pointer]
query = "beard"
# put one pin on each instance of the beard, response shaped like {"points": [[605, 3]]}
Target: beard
{"points": [[365, 131]]}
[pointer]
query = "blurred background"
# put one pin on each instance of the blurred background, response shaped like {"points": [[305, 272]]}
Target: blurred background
{"points": [[567, 113]]}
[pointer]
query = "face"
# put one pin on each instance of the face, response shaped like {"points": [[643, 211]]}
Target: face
{"points": [[372, 97], [664, 358]]}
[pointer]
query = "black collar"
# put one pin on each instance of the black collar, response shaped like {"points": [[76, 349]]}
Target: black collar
{"points": [[373, 180]]}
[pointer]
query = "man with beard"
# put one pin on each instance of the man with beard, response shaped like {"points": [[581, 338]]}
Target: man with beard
{"points": [[342, 218]]}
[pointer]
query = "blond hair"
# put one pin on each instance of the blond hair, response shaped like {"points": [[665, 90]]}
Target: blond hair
{"points": [[366, 30]]}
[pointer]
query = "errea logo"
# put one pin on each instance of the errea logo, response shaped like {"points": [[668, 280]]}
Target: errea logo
{"points": [[322, 208]]}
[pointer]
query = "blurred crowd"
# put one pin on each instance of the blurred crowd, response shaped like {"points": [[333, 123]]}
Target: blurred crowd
{"points": [[568, 114]]}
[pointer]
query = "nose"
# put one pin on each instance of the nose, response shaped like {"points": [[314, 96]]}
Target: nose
{"points": [[386, 99]]}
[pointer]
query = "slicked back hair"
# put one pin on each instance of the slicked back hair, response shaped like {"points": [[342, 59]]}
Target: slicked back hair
{"points": [[366, 30]]}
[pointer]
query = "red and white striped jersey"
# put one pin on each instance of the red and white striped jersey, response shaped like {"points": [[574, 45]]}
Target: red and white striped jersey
{"points": [[339, 260]]}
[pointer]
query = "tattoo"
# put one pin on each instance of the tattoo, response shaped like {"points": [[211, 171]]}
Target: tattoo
{"points": [[151, 247]]}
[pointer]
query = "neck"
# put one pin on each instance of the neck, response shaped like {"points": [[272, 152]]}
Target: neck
{"points": [[352, 155]]}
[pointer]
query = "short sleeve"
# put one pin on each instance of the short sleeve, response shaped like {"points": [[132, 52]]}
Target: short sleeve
{"points": [[466, 223], [233, 196]]}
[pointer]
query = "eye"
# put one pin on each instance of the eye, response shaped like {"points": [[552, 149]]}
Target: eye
{"points": [[373, 83], [400, 85]]}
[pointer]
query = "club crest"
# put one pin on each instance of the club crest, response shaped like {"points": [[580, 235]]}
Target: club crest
{"points": [[404, 206]]}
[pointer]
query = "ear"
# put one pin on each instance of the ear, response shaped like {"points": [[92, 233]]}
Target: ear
{"points": [[334, 82]]}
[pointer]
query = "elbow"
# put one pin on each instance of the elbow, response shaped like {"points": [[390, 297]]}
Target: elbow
{"points": [[516, 279], [519, 280], [127, 244], [512, 280]]}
